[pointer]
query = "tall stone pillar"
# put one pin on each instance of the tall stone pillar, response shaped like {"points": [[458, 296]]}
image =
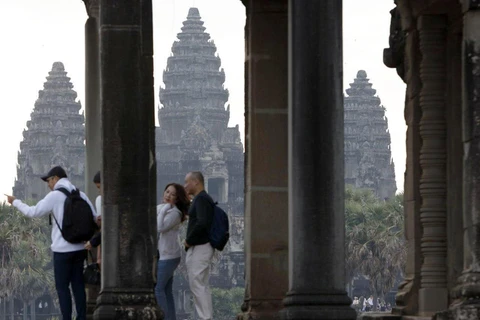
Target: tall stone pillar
{"points": [[266, 180], [433, 293], [92, 120], [92, 99], [466, 295], [470, 280], [403, 54], [316, 168], [128, 228]]}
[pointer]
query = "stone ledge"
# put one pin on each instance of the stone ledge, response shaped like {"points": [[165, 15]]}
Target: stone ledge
{"points": [[389, 316], [379, 316], [416, 318]]}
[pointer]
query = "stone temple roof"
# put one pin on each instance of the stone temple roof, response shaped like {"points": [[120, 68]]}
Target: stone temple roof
{"points": [[361, 86]]}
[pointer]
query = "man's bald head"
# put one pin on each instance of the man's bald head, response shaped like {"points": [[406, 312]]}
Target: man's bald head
{"points": [[197, 175], [194, 182]]}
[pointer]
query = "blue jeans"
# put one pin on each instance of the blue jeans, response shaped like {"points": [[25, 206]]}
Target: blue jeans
{"points": [[163, 288], [68, 270]]}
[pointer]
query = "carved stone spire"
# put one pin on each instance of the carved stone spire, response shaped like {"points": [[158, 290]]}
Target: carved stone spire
{"points": [[193, 83], [194, 136], [368, 158], [55, 136]]}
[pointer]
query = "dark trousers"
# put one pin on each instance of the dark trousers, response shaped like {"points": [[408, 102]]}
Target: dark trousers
{"points": [[68, 270]]}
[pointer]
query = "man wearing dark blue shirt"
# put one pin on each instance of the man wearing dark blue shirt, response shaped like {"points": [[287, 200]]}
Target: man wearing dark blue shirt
{"points": [[199, 250]]}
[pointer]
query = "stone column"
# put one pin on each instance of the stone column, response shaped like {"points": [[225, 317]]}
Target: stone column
{"points": [[92, 120], [466, 304], [266, 172], [433, 293], [316, 168], [128, 228], [403, 54], [92, 99]]}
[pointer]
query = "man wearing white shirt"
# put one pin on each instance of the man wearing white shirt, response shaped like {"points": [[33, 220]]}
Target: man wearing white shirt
{"points": [[68, 258]]}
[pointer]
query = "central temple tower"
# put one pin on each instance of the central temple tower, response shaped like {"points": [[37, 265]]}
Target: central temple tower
{"points": [[194, 136], [194, 132]]}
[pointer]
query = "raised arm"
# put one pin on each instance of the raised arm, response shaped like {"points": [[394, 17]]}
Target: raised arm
{"points": [[168, 217], [42, 208]]}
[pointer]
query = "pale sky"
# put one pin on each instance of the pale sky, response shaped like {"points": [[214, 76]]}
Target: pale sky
{"points": [[37, 33]]}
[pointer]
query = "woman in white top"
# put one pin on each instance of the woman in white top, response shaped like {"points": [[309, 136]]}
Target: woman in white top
{"points": [[170, 214]]}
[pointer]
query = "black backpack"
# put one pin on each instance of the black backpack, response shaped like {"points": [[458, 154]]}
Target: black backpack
{"points": [[78, 225], [219, 230]]}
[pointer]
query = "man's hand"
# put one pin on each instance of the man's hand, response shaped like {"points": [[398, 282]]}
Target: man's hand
{"points": [[186, 244], [10, 199], [88, 245]]}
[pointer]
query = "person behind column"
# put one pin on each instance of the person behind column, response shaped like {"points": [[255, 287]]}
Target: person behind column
{"points": [[68, 258], [170, 214], [97, 238], [199, 250]]}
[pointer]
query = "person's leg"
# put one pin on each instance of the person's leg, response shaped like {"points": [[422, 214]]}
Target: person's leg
{"points": [[162, 279], [169, 290], [198, 268], [62, 269], [78, 284]]}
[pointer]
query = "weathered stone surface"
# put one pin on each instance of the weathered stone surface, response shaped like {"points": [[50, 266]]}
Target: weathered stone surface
{"points": [[127, 304], [464, 312], [466, 295], [128, 166], [266, 221], [316, 170]]}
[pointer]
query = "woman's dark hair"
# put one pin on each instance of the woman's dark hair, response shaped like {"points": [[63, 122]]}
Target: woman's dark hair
{"points": [[96, 178], [183, 203]]}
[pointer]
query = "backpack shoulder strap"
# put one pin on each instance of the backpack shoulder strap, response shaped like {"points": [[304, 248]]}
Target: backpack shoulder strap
{"points": [[67, 193], [64, 191]]}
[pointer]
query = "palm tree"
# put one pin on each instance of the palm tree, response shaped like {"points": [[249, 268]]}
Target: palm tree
{"points": [[25, 256], [375, 245]]}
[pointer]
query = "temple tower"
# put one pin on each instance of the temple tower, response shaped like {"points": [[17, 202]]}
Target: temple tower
{"points": [[368, 158], [194, 135], [55, 135], [194, 132]]}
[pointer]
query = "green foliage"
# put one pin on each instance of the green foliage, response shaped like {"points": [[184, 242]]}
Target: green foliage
{"points": [[227, 302], [25, 255], [374, 238]]}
